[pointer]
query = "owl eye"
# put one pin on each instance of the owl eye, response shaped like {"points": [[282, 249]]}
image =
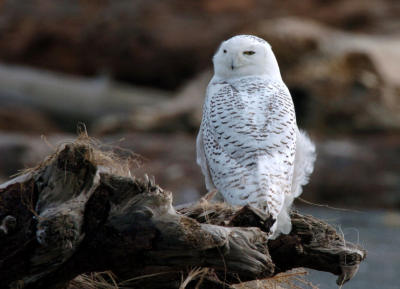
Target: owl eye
{"points": [[248, 52], [224, 50]]}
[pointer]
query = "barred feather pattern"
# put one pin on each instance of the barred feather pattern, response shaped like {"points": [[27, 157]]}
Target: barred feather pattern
{"points": [[249, 147], [248, 133]]}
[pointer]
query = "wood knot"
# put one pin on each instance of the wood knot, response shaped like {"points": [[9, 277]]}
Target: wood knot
{"points": [[8, 225]]}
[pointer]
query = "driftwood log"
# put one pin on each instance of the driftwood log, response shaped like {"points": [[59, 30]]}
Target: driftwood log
{"points": [[74, 215]]}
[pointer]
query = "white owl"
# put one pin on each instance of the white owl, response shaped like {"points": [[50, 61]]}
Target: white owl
{"points": [[249, 146]]}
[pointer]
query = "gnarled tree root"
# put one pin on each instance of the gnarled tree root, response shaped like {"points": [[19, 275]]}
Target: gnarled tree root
{"points": [[72, 216]]}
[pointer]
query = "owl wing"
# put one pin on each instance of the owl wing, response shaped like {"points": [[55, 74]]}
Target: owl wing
{"points": [[202, 160], [249, 142]]}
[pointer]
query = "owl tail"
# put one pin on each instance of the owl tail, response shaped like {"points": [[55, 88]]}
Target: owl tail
{"points": [[303, 163], [303, 167], [283, 224]]}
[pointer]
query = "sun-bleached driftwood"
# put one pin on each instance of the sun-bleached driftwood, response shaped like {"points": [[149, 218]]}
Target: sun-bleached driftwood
{"points": [[76, 214]]}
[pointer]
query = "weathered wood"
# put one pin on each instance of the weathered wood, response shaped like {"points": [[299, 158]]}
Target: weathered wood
{"points": [[71, 216], [312, 243]]}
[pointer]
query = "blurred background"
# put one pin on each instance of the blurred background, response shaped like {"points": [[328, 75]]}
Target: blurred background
{"points": [[135, 73]]}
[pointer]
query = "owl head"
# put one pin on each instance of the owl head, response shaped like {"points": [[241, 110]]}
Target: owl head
{"points": [[245, 55]]}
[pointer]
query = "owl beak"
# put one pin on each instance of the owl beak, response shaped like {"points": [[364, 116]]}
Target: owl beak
{"points": [[232, 65]]}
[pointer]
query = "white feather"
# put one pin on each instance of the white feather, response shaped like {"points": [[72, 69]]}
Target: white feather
{"points": [[249, 147], [303, 168], [202, 161], [304, 162]]}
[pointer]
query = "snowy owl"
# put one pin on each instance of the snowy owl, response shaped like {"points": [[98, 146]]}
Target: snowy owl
{"points": [[249, 147]]}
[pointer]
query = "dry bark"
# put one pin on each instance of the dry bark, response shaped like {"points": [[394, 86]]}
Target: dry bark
{"points": [[71, 216]]}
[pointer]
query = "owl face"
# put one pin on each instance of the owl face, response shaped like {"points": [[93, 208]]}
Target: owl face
{"points": [[245, 55]]}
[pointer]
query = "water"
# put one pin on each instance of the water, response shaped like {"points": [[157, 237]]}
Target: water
{"points": [[379, 233]]}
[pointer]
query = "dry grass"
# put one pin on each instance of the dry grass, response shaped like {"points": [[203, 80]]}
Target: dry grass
{"points": [[294, 279], [96, 280], [195, 273], [108, 157]]}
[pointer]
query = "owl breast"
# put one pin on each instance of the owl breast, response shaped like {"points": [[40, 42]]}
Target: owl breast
{"points": [[249, 141]]}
